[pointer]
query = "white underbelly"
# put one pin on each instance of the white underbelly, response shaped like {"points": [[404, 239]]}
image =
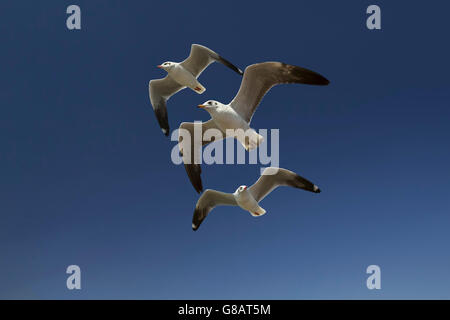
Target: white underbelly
{"points": [[247, 203], [183, 77], [225, 120]]}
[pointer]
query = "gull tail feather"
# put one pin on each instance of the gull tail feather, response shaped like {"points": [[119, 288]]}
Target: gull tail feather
{"points": [[253, 141], [198, 88], [257, 212]]}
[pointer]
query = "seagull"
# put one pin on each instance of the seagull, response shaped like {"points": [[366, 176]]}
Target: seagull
{"points": [[248, 198], [179, 76], [257, 81]]}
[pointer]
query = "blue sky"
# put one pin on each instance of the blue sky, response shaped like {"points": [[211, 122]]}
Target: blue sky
{"points": [[86, 176]]}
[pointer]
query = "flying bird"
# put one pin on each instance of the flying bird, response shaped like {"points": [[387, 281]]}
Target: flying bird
{"points": [[248, 198], [179, 76], [257, 81]]}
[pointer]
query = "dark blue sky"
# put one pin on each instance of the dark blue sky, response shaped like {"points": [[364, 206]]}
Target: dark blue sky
{"points": [[86, 176]]}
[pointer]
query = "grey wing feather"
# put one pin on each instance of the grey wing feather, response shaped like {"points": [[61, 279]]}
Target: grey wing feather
{"points": [[208, 200], [201, 57], [259, 78], [189, 152], [275, 177], [160, 90]]}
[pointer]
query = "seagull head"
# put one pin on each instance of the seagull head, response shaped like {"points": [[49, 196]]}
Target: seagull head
{"points": [[241, 189], [210, 105], [168, 65]]}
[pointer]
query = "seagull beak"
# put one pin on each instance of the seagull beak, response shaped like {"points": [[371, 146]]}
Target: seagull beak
{"points": [[201, 106], [245, 188], [159, 66]]}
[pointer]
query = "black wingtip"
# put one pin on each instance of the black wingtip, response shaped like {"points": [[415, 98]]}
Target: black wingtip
{"points": [[198, 189], [316, 79], [323, 81], [163, 121], [198, 186], [196, 222], [194, 173], [306, 76], [230, 65]]}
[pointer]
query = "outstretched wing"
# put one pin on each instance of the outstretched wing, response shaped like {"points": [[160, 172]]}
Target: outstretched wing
{"points": [[201, 57], [187, 146], [259, 78], [275, 177], [208, 200], [160, 90]]}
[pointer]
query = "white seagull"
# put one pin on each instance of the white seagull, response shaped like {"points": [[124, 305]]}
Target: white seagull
{"points": [[249, 198], [179, 76], [258, 79]]}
